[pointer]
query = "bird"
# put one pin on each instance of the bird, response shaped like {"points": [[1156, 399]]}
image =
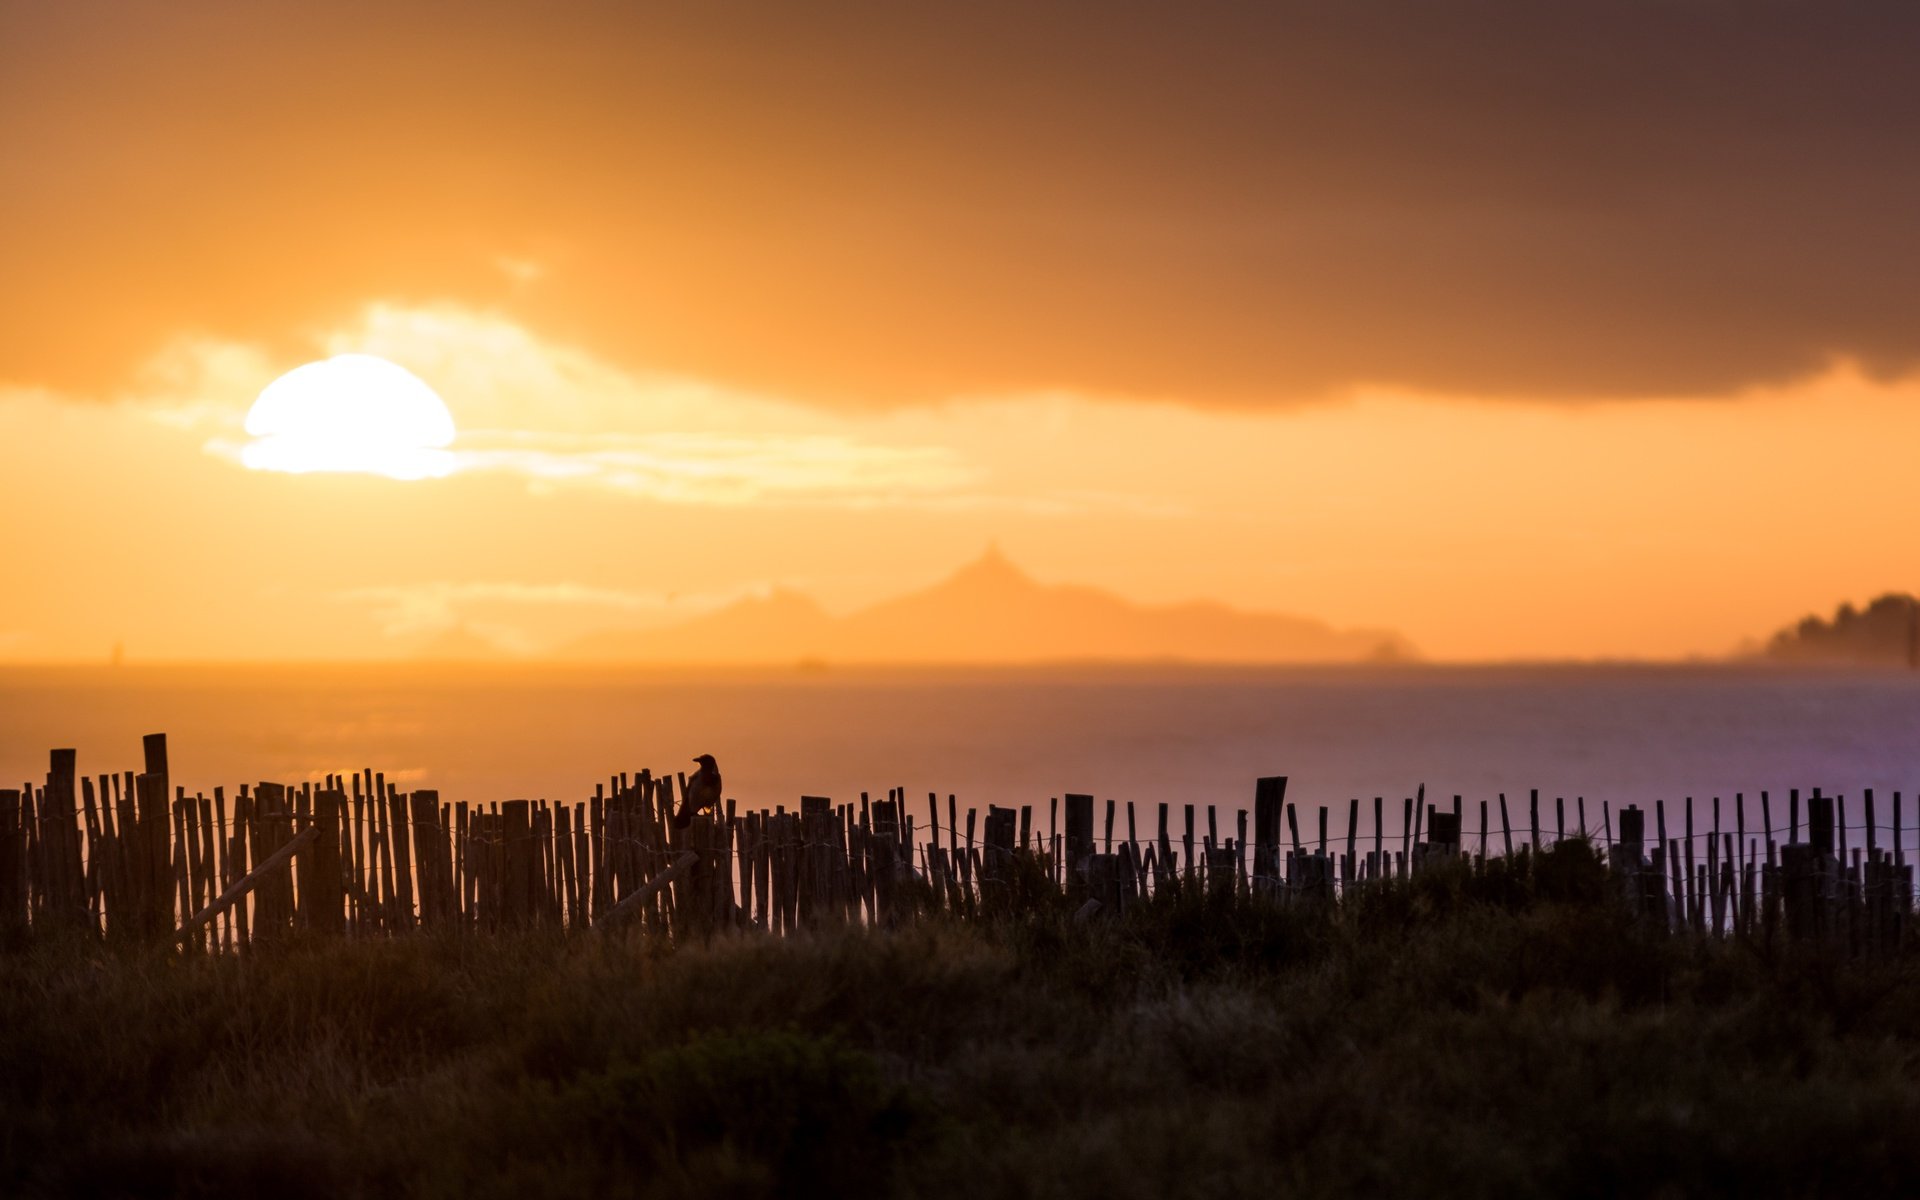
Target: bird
{"points": [[702, 792]]}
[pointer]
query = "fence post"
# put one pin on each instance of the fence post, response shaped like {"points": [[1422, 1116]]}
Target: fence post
{"points": [[13, 871], [152, 863], [322, 889], [1103, 881], [1079, 840], [1269, 801], [1000, 834], [273, 908], [67, 898], [1220, 872], [816, 831], [516, 817], [155, 831]]}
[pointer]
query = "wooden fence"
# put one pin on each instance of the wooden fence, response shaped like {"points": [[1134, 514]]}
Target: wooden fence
{"points": [[132, 857]]}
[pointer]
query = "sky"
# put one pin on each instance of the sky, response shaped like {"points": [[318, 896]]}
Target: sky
{"points": [[1528, 331]]}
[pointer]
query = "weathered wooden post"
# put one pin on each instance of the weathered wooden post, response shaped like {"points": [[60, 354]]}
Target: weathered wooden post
{"points": [[1443, 834], [66, 880], [1269, 801], [1079, 841], [423, 819], [632, 902], [1000, 835], [1810, 873], [1310, 878], [155, 837], [1163, 864], [1221, 872], [322, 886], [154, 870], [1103, 882], [1802, 869], [1628, 851], [817, 822], [882, 853], [13, 871], [1644, 890], [1349, 866], [516, 907], [234, 894], [275, 905], [1820, 832], [886, 819]]}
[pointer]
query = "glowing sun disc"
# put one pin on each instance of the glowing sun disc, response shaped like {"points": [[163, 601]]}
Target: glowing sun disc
{"points": [[350, 413]]}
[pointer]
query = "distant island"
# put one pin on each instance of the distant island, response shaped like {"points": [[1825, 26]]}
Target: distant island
{"points": [[1884, 633], [990, 612]]}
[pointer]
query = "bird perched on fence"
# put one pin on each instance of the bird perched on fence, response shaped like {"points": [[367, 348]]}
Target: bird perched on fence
{"points": [[702, 792]]}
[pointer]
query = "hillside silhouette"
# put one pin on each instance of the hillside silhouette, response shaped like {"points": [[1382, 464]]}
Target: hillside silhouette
{"points": [[1885, 633], [990, 611]]}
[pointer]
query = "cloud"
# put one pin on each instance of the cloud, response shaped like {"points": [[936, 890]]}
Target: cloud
{"points": [[520, 270], [1226, 204], [405, 609], [481, 618], [684, 468], [562, 418]]}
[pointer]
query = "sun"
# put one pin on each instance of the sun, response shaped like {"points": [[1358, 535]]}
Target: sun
{"points": [[353, 413]]}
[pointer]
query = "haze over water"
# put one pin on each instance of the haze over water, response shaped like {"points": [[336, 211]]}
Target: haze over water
{"points": [[1180, 735]]}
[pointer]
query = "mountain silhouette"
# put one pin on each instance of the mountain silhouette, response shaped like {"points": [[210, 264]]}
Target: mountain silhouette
{"points": [[990, 611]]}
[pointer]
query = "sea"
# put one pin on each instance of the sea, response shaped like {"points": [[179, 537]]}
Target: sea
{"points": [[1594, 736]]}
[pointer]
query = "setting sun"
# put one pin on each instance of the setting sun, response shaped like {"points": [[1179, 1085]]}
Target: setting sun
{"points": [[350, 413]]}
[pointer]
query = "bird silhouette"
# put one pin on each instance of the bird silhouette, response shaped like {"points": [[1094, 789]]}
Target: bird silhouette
{"points": [[702, 792]]}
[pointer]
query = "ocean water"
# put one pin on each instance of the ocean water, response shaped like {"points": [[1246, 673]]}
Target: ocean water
{"points": [[1620, 734]]}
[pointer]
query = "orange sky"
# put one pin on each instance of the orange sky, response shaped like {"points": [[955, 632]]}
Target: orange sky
{"points": [[1525, 335]]}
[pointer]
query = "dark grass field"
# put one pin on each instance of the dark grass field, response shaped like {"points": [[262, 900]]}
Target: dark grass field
{"points": [[1514, 1034]]}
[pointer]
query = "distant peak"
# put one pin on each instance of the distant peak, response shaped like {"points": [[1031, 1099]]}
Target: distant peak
{"points": [[992, 567]]}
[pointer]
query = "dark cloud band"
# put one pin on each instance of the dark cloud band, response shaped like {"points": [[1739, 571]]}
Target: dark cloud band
{"points": [[1219, 204]]}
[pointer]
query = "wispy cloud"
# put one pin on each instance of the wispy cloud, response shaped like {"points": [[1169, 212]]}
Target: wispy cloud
{"points": [[724, 469], [520, 270], [560, 417], [406, 609]]}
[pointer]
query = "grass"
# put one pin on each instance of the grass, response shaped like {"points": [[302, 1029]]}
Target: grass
{"points": [[1506, 1034]]}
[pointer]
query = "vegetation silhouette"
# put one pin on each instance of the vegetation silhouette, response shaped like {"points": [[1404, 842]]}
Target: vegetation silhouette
{"points": [[1519, 1032], [1885, 633]]}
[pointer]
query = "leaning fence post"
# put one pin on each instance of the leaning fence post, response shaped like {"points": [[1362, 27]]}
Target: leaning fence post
{"points": [[632, 901], [278, 859]]}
